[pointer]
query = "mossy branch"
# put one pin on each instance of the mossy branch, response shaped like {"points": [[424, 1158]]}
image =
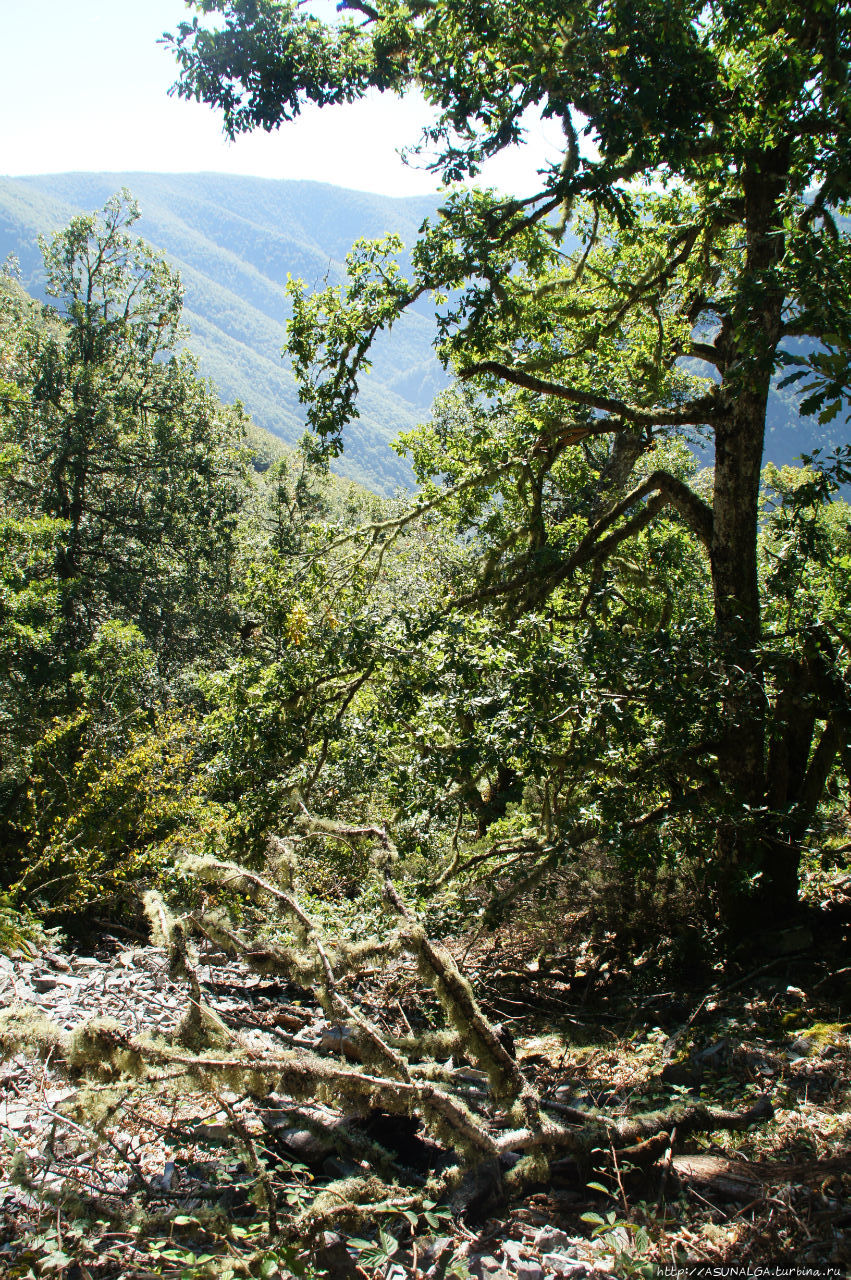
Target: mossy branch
{"points": [[479, 1037], [324, 980], [634, 1136], [101, 1049], [200, 1024]]}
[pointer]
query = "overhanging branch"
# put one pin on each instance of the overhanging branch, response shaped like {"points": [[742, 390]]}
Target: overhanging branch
{"points": [[701, 410]]}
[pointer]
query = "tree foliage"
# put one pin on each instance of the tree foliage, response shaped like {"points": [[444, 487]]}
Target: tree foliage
{"points": [[123, 482], [688, 248]]}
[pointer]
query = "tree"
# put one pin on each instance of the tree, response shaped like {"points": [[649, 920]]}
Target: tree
{"points": [[697, 223], [121, 443], [28, 542], [123, 482]]}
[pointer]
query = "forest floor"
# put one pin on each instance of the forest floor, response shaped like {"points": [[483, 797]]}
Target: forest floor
{"points": [[159, 1187]]}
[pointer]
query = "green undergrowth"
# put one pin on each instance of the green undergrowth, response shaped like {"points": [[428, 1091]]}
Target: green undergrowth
{"points": [[21, 930]]}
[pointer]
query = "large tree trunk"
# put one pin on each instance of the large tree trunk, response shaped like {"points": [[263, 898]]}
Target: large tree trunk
{"points": [[750, 338], [741, 763]]}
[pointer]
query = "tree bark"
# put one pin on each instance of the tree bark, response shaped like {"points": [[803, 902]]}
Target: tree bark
{"points": [[748, 342]]}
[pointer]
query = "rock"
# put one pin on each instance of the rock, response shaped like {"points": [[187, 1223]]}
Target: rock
{"points": [[333, 1259], [164, 1181], [53, 1097], [529, 1271], [17, 1119], [713, 1055], [681, 1073], [539, 1217], [219, 1133], [469, 1074], [44, 981], [340, 1040], [479, 1193], [436, 1257], [513, 1249], [301, 1142], [547, 1241], [488, 1268], [561, 1264], [485, 1266]]}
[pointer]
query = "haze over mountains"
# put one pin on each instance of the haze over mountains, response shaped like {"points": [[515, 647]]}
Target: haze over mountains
{"points": [[234, 239]]}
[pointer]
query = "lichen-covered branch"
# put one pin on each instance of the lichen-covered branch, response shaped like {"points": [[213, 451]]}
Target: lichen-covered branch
{"points": [[456, 995], [324, 981], [102, 1049], [635, 1136]]}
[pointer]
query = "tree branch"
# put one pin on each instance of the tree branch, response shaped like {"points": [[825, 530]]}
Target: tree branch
{"points": [[668, 490], [701, 410]]}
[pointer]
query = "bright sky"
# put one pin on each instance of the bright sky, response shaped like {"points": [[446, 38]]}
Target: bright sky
{"points": [[84, 87]]}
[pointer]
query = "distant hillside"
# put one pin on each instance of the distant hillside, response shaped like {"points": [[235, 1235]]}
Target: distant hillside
{"points": [[234, 240]]}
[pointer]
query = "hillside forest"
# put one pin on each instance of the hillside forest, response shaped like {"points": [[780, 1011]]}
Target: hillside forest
{"points": [[491, 839], [235, 240]]}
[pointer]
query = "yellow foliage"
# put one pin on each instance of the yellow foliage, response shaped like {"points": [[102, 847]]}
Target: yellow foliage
{"points": [[100, 820], [297, 624]]}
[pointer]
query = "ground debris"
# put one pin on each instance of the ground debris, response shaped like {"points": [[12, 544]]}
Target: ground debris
{"points": [[187, 1158]]}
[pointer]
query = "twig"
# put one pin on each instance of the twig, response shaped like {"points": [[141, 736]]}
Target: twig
{"points": [[72, 1124], [404, 1017], [257, 1164], [666, 1167], [617, 1168]]}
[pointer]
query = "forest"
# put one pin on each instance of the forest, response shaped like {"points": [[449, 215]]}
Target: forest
{"points": [[457, 883]]}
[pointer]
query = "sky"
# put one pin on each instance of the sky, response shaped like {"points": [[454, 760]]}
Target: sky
{"points": [[85, 87]]}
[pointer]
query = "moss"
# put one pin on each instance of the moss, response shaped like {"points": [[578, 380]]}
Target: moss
{"points": [[820, 1035], [25, 1029], [533, 1168], [100, 1048], [438, 1045], [350, 1202]]}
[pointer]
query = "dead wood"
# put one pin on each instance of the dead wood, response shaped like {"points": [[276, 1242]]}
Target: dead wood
{"points": [[746, 1180]]}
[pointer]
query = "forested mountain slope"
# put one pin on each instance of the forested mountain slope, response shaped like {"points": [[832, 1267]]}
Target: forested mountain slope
{"points": [[234, 239]]}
